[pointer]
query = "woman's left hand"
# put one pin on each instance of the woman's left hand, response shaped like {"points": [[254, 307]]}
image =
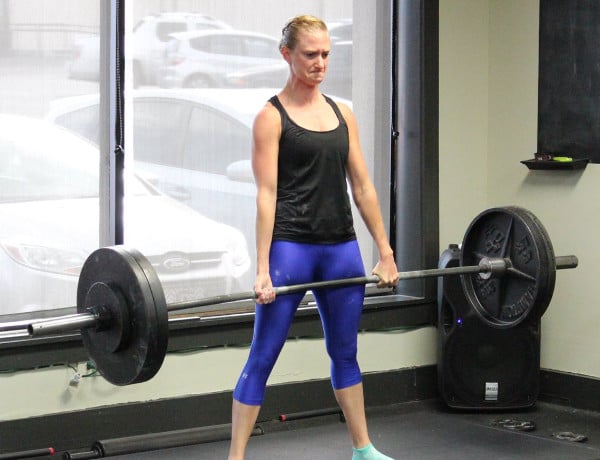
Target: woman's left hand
{"points": [[387, 271]]}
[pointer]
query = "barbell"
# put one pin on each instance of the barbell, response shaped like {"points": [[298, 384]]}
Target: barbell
{"points": [[507, 268]]}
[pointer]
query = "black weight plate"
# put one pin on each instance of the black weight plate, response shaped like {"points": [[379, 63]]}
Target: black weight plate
{"points": [[546, 296], [142, 352], [514, 234], [160, 302], [114, 317]]}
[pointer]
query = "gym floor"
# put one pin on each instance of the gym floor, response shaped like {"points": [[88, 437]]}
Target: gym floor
{"points": [[420, 431]]}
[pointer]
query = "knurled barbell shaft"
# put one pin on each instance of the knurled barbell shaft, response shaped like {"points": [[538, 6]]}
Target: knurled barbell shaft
{"points": [[486, 265], [282, 290], [69, 323]]}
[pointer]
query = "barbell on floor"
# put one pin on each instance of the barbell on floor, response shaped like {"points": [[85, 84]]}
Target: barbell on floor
{"points": [[507, 271]]}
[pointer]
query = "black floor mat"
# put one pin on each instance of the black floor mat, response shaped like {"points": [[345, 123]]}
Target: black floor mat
{"points": [[417, 431]]}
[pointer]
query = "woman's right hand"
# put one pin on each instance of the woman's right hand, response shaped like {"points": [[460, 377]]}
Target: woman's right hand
{"points": [[263, 288]]}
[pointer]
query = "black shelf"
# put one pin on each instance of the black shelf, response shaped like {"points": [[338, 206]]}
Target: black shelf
{"points": [[551, 164]]}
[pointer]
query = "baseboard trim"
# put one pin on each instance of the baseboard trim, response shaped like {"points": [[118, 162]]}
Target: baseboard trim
{"points": [[80, 429], [573, 390]]}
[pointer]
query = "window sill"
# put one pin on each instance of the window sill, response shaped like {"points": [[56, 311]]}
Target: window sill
{"points": [[194, 330]]}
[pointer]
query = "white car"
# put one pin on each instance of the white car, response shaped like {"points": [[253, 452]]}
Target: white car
{"points": [[49, 220], [152, 33], [202, 59], [83, 62]]}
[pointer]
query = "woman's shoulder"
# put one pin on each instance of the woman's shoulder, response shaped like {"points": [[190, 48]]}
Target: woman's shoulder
{"points": [[268, 113], [267, 120], [344, 108]]}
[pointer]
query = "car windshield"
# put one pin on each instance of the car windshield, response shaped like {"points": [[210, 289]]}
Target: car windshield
{"points": [[51, 165]]}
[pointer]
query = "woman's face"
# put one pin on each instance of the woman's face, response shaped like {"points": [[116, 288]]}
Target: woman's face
{"points": [[309, 59]]}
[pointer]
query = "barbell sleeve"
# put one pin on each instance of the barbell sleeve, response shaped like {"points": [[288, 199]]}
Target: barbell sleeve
{"points": [[565, 262], [62, 324], [24, 324]]}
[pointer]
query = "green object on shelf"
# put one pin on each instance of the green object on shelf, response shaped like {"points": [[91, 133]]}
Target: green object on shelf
{"points": [[562, 159]]}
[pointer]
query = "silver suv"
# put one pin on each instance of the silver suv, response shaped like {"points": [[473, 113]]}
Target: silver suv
{"points": [[202, 59], [151, 35]]}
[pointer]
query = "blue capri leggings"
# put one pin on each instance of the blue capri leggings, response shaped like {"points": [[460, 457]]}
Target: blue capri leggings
{"points": [[340, 309]]}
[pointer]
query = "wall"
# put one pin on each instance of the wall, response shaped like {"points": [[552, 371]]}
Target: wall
{"points": [[488, 124], [463, 113], [566, 202]]}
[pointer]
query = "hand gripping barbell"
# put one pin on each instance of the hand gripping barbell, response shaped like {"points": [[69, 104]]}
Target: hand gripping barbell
{"points": [[507, 270]]}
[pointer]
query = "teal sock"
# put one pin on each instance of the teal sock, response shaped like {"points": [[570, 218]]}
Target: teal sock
{"points": [[368, 453]]}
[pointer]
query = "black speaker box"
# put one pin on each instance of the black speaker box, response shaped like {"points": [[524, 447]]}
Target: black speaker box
{"points": [[480, 366]]}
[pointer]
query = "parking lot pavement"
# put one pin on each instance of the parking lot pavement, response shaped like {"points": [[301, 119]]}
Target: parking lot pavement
{"points": [[29, 83]]}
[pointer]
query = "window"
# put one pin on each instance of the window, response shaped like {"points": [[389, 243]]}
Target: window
{"points": [[260, 48], [187, 122], [163, 29], [34, 176], [214, 141], [232, 46], [84, 121], [49, 177], [159, 130], [200, 155]]}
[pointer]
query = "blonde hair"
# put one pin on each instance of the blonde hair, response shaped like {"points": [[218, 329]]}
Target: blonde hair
{"points": [[302, 23]]}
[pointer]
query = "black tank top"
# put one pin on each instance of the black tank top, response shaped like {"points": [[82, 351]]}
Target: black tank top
{"points": [[313, 205]]}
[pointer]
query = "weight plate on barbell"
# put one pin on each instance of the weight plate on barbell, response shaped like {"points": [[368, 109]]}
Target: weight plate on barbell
{"points": [[544, 296], [130, 347], [517, 236]]}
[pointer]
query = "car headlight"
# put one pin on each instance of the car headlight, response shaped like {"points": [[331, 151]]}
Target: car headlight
{"points": [[46, 259]]}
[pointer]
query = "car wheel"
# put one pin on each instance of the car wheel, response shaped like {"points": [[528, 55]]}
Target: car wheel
{"points": [[198, 81]]}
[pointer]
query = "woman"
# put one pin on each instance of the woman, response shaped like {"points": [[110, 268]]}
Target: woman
{"points": [[305, 146]]}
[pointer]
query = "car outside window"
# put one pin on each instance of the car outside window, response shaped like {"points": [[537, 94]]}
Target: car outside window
{"points": [[163, 29], [201, 25], [260, 48], [173, 45], [232, 46], [84, 122], [214, 142], [27, 173], [159, 129]]}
